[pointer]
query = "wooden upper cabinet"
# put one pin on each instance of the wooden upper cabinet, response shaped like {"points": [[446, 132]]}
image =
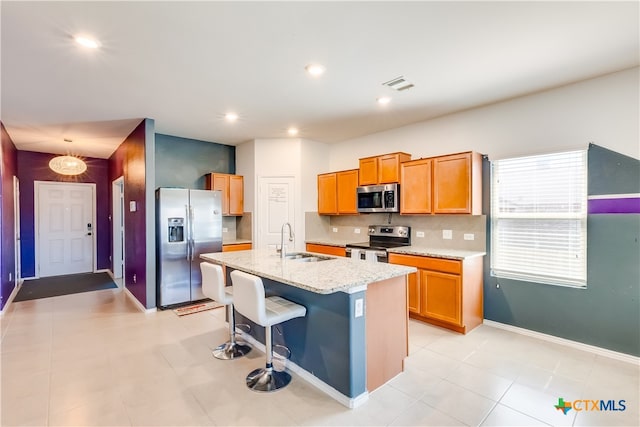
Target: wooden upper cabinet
{"points": [[232, 188], [383, 169], [457, 184], [347, 187], [368, 171], [415, 192], [337, 192], [327, 194], [236, 194]]}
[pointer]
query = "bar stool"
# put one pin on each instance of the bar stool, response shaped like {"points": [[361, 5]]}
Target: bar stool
{"points": [[248, 291], [213, 287]]}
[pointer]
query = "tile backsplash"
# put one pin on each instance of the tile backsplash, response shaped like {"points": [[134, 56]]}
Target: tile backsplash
{"points": [[432, 227]]}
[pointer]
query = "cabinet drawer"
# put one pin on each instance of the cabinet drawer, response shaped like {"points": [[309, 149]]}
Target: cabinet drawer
{"points": [[427, 263]]}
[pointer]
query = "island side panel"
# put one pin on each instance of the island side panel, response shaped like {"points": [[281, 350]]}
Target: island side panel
{"points": [[329, 342], [387, 317]]}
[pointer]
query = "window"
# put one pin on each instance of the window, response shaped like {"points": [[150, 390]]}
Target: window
{"points": [[539, 218]]}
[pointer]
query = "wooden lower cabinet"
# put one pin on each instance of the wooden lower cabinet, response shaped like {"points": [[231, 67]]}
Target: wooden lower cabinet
{"points": [[326, 249], [444, 292], [236, 247]]}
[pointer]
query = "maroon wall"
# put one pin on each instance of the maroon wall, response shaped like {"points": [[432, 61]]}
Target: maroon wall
{"points": [[7, 232], [33, 167], [129, 161]]}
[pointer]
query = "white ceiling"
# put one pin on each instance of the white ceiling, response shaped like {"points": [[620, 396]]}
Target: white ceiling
{"points": [[185, 64]]}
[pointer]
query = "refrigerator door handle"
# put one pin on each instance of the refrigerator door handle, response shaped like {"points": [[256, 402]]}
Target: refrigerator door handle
{"points": [[192, 241], [186, 210]]}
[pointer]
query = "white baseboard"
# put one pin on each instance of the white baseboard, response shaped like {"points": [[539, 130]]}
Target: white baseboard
{"points": [[138, 303], [569, 343], [12, 295], [349, 402]]}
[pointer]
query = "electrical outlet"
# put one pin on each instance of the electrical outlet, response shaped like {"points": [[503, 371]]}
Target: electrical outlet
{"points": [[419, 233], [335, 229], [469, 236], [135, 279], [225, 230], [359, 307], [356, 230], [447, 234]]}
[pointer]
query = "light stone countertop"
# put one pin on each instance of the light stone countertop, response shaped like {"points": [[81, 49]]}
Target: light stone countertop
{"points": [[324, 277], [341, 243], [235, 241], [436, 252]]}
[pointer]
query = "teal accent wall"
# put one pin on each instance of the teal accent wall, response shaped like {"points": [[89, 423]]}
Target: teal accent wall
{"points": [[183, 162], [607, 313]]}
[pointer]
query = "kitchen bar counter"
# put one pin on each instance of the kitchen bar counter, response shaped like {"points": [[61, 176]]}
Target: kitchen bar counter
{"points": [[324, 277], [354, 337]]}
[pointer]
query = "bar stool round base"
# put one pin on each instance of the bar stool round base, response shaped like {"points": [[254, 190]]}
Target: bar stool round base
{"points": [[267, 380], [229, 351]]}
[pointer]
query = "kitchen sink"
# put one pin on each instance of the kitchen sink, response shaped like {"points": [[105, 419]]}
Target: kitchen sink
{"points": [[306, 257]]}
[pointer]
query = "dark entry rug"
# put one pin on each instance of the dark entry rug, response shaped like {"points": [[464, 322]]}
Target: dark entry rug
{"points": [[63, 285]]}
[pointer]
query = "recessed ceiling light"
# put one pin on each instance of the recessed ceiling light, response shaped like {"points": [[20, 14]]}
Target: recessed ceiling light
{"points": [[231, 117], [383, 100], [87, 42], [292, 131], [315, 69]]}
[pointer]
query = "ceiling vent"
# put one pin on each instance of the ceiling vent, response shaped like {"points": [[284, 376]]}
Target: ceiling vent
{"points": [[399, 84]]}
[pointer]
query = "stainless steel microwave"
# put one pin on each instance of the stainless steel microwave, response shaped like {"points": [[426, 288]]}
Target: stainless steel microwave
{"points": [[379, 198]]}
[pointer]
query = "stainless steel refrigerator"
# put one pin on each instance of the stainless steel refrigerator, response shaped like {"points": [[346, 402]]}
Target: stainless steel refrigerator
{"points": [[188, 223]]}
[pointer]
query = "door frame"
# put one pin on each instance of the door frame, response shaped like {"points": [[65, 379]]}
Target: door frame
{"points": [[36, 216], [117, 227], [16, 225]]}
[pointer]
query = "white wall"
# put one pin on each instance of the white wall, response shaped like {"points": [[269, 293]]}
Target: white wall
{"points": [[298, 158], [604, 110]]}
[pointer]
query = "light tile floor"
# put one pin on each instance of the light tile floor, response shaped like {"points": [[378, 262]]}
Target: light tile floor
{"points": [[95, 359]]}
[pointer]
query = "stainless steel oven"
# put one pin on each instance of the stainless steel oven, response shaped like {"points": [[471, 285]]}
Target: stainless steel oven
{"points": [[381, 237]]}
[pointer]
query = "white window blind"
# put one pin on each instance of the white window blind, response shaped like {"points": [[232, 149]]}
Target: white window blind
{"points": [[539, 218]]}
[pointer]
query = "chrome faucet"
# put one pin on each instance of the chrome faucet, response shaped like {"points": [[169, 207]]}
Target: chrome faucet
{"points": [[283, 252]]}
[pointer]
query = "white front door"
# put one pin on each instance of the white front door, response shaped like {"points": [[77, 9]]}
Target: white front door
{"points": [[65, 228], [276, 201]]}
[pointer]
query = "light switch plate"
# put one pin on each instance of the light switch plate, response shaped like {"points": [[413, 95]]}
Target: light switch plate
{"points": [[356, 230], [447, 234], [133, 206], [469, 236], [359, 311], [335, 229], [225, 230], [419, 233]]}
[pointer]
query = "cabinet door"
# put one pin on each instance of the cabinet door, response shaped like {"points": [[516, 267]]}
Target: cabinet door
{"points": [[414, 293], [415, 191], [389, 167], [347, 184], [327, 197], [452, 184], [441, 296], [221, 182], [236, 194], [368, 171]]}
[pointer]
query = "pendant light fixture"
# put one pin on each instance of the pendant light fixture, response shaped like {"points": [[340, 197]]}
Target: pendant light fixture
{"points": [[67, 165]]}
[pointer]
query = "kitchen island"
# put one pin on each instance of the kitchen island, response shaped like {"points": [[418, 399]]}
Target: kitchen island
{"points": [[354, 336]]}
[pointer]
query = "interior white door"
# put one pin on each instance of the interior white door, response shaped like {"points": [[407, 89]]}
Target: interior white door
{"points": [[117, 188], [65, 238], [276, 202]]}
